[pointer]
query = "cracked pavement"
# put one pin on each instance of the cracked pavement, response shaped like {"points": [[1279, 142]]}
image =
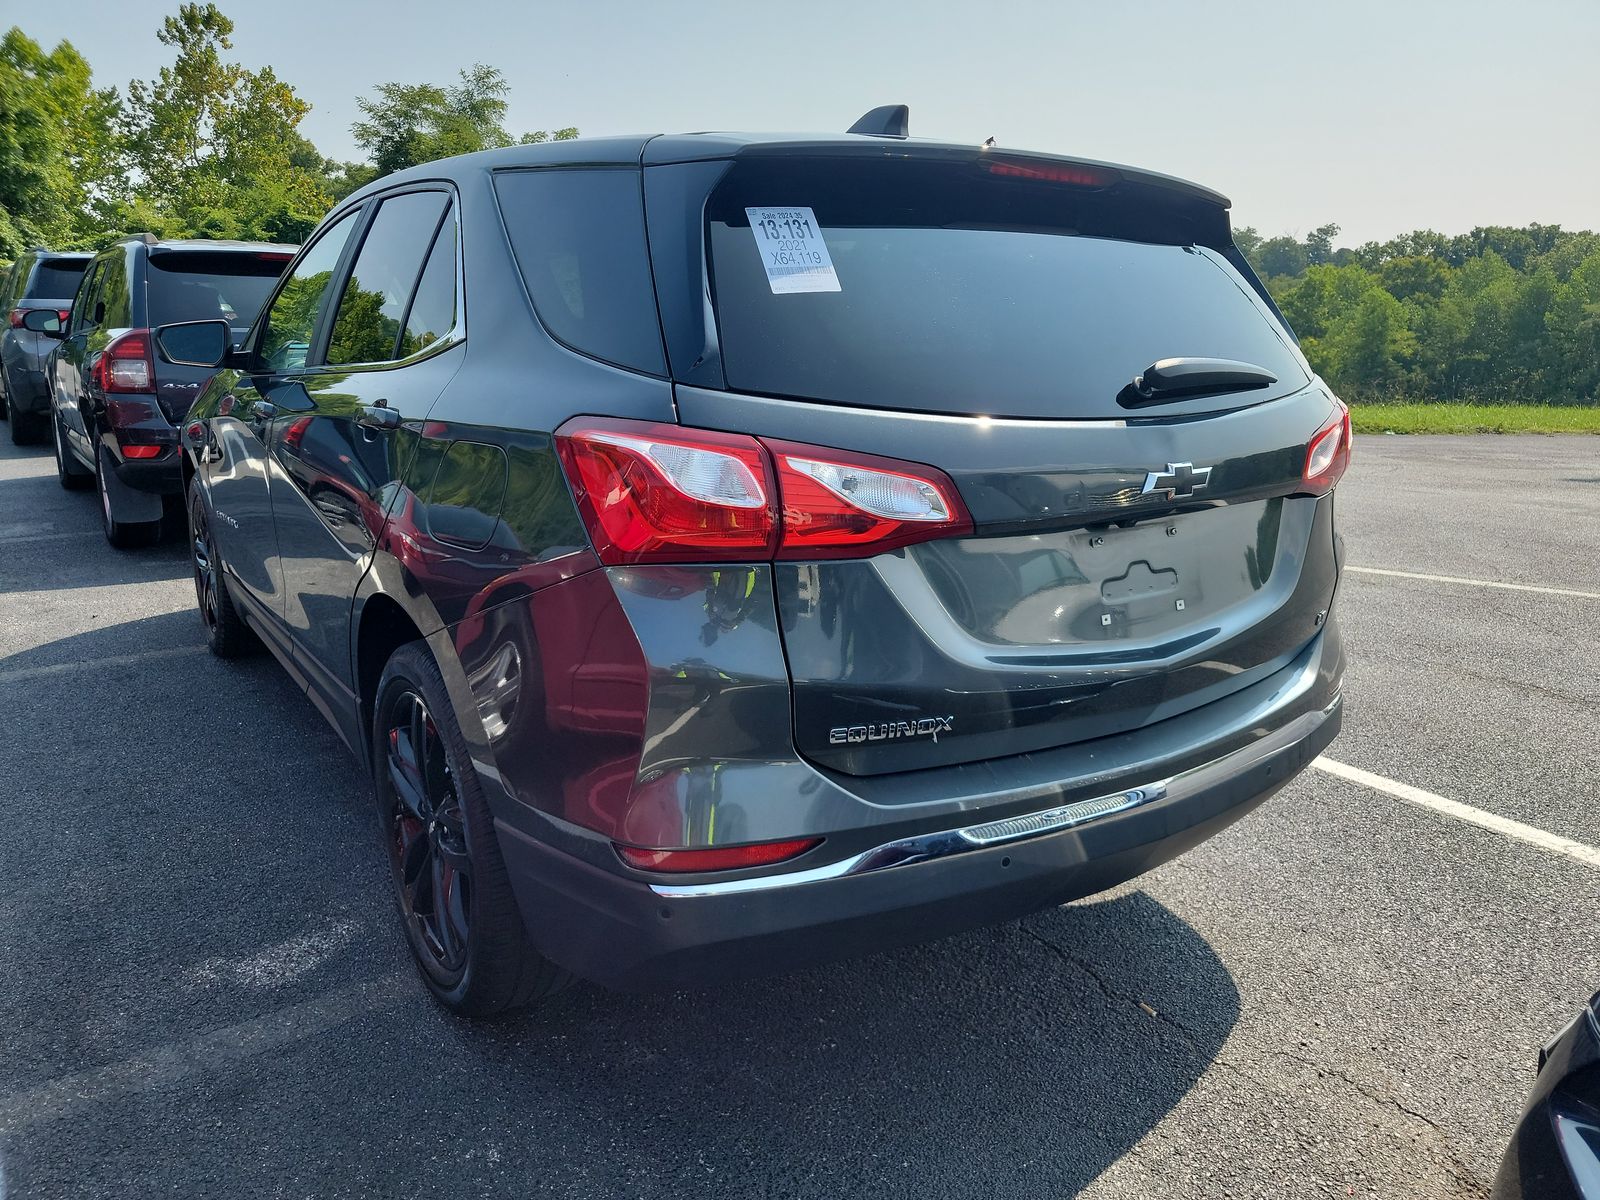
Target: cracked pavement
{"points": [[205, 992]]}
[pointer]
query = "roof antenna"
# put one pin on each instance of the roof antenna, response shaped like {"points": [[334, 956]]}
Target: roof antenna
{"points": [[888, 120]]}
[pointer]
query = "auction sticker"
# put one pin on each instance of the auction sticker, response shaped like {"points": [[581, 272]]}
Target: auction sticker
{"points": [[790, 243]]}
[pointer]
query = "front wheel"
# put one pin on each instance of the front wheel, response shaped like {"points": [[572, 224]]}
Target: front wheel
{"points": [[70, 474], [455, 898], [226, 633]]}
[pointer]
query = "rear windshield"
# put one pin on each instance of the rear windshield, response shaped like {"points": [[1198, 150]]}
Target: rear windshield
{"points": [[957, 290], [56, 279], [200, 286]]}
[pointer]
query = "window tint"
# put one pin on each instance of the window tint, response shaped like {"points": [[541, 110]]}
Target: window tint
{"points": [[83, 306], [433, 308], [112, 291], [192, 285], [962, 292], [293, 315], [56, 279], [578, 237], [367, 326]]}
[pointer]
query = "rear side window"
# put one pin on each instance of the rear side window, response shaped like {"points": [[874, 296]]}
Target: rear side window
{"points": [[372, 311], [55, 279], [113, 299], [959, 290], [578, 237], [189, 285], [294, 312]]}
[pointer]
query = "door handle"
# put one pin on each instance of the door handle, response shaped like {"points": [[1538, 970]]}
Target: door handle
{"points": [[379, 416]]}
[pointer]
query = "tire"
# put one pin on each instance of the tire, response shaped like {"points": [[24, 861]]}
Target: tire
{"points": [[473, 952], [27, 429], [124, 535], [70, 473], [227, 635]]}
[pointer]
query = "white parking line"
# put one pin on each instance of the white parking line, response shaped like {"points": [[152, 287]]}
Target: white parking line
{"points": [[1462, 812], [1488, 583]]}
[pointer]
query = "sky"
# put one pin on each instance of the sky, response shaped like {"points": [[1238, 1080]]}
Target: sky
{"points": [[1382, 116]]}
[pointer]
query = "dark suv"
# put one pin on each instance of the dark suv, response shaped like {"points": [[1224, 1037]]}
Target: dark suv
{"points": [[116, 407], [733, 552], [39, 279]]}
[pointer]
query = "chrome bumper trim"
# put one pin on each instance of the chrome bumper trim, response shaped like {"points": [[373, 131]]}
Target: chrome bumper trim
{"points": [[1055, 820]]}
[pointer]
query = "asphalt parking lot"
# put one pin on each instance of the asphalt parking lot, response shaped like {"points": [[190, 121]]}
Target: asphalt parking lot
{"points": [[204, 990]]}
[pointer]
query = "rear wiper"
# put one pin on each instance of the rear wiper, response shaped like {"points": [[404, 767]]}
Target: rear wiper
{"points": [[1178, 378]]}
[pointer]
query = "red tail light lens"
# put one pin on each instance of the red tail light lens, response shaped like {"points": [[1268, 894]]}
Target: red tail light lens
{"points": [[140, 451], [125, 364], [1328, 452], [63, 315], [835, 503], [662, 493], [15, 318], [718, 858]]}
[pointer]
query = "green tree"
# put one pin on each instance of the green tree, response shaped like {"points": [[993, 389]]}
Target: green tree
{"points": [[411, 123], [216, 146], [60, 166], [1573, 322]]}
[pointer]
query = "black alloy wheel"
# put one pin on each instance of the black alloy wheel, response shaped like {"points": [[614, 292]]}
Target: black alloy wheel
{"points": [[427, 837], [226, 633], [461, 915]]}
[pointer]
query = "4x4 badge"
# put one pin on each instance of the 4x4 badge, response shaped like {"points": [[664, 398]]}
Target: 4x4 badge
{"points": [[1177, 481]]}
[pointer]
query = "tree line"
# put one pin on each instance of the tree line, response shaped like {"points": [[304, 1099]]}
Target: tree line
{"points": [[1499, 314], [209, 148]]}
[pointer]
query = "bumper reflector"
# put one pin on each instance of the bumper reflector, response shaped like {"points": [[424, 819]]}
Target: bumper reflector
{"points": [[716, 858]]}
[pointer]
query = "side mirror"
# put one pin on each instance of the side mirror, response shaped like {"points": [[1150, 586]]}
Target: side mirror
{"points": [[43, 320], [195, 343]]}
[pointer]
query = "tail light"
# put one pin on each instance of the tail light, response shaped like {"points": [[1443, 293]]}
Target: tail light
{"points": [[663, 493], [1328, 452], [138, 451], [63, 315], [836, 503], [125, 364], [659, 493], [15, 317], [716, 858]]}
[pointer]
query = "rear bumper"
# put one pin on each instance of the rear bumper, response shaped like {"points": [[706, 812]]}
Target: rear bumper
{"points": [[628, 930], [162, 476], [26, 391]]}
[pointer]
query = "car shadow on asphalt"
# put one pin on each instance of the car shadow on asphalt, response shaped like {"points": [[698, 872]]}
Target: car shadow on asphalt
{"points": [[1021, 1060]]}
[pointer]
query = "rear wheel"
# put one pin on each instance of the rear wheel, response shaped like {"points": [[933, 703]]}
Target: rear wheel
{"points": [[455, 898], [226, 633], [70, 473], [124, 535]]}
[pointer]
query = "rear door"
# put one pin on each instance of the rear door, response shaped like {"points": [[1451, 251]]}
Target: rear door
{"points": [[988, 317], [382, 359]]}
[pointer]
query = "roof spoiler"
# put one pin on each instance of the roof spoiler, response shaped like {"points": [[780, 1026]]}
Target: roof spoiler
{"points": [[887, 120]]}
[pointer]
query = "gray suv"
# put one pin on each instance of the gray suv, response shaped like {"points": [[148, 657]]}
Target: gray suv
{"points": [[730, 552], [39, 279]]}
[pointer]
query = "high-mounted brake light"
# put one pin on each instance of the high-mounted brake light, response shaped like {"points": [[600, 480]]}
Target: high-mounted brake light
{"points": [[716, 858], [1049, 172], [124, 365], [662, 493], [1328, 452]]}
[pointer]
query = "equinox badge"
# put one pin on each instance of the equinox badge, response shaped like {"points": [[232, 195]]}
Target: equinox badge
{"points": [[1178, 481], [891, 730]]}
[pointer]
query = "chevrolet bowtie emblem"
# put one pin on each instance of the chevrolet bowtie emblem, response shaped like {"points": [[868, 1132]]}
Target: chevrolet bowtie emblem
{"points": [[1178, 481]]}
